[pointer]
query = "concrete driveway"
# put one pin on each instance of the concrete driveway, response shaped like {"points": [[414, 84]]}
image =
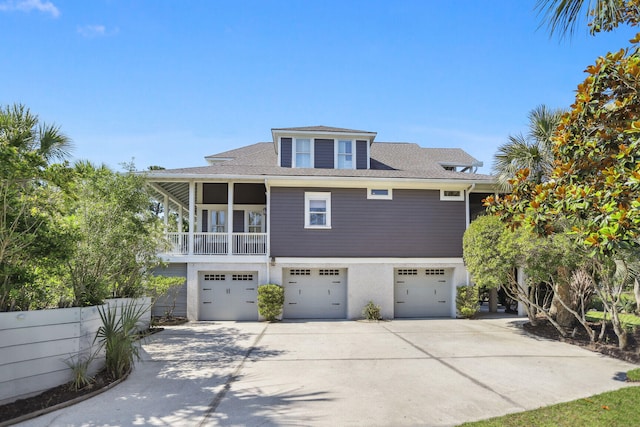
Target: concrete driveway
{"points": [[346, 373]]}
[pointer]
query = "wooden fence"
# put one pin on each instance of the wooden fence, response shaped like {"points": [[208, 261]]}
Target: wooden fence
{"points": [[35, 344]]}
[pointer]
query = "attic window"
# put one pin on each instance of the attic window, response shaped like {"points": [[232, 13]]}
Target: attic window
{"points": [[451, 195], [380, 193], [450, 168]]}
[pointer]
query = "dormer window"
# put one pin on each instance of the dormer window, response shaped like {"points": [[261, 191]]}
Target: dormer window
{"points": [[302, 153], [345, 154]]}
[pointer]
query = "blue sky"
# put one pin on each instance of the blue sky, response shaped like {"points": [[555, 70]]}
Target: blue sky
{"points": [[168, 82]]}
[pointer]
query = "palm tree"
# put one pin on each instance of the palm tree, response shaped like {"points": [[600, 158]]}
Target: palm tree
{"points": [[532, 151], [20, 129], [604, 15]]}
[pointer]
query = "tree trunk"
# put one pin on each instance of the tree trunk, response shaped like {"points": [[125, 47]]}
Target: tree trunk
{"points": [[563, 316], [493, 300]]}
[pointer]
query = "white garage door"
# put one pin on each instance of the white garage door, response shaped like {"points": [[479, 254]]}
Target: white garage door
{"points": [[315, 293], [420, 292], [228, 295]]}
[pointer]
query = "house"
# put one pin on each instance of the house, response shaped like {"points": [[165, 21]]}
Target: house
{"points": [[334, 216]]}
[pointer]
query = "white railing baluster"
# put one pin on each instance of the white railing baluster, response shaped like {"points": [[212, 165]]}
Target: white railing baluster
{"points": [[216, 243]]}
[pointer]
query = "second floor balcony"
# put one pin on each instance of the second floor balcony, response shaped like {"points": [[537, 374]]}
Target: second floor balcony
{"points": [[217, 244]]}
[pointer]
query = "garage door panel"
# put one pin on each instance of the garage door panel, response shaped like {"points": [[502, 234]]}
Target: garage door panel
{"points": [[420, 292], [228, 296], [315, 293]]}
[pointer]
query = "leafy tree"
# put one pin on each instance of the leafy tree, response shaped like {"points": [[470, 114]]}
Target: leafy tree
{"points": [[594, 189], [118, 237], [493, 252], [33, 239]]}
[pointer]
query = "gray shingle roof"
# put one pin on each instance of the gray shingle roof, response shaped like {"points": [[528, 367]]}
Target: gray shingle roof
{"points": [[388, 160]]}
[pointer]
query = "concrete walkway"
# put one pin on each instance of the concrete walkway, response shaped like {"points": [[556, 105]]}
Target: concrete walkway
{"points": [[343, 373]]}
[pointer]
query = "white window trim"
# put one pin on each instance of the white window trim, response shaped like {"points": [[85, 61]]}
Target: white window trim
{"points": [[371, 196], [253, 208], [209, 208], [457, 198], [294, 144], [336, 156], [317, 196]]}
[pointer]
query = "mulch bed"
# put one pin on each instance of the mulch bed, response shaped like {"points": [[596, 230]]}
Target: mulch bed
{"points": [[57, 395], [609, 346], [54, 396]]}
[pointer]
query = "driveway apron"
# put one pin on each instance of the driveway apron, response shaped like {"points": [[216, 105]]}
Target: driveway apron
{"points": [[438, 372]]}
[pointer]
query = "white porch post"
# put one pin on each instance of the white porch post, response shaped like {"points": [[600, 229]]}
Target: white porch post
{"points": [[267, 220], [230, 218], [192, 214], [166, 212]]}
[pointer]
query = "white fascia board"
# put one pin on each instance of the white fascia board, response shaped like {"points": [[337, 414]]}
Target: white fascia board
{"points": [[369, 136], [339, 262], [326, 181]]}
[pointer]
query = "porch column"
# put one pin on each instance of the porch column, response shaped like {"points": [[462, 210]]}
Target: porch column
{"points": [[192, 214], [230, 218], [166, 212], [267, 220]]}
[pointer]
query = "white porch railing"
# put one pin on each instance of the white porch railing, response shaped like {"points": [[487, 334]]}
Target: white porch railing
{"points": [[218, 243], [249, 243]]}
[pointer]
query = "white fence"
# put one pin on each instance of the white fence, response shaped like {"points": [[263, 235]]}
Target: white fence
{"points": [[35, 344]]}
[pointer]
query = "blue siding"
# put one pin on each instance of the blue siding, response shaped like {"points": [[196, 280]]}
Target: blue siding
{"points": [[323, 153], [285, 152], [414, 224], [361, 155]]}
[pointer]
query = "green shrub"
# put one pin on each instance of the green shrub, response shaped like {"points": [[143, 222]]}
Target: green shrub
{"points": [[371, 311], [467, 301], [80, 368], [119, 336], [270, 301], [633, 375]]}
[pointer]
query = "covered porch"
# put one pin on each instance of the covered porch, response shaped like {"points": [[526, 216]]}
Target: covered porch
{"points": [[213, 218]]}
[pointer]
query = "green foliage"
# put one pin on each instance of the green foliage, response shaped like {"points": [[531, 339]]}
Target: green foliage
{"points": [[467, 301], [118, 335], [33, 240], [633, 375], [485, 253], [118, 237], [270, 301], [595, 186], [371, 311], [603, 15], [159, 286], [628, 321], [613, 408], [80, 368]]}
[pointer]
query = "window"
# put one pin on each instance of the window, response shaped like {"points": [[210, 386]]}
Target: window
{"points": [[217, 221], [451, 195], [380, 193], [317, 210], [303, 153], [255, 222], [345, 154]]}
